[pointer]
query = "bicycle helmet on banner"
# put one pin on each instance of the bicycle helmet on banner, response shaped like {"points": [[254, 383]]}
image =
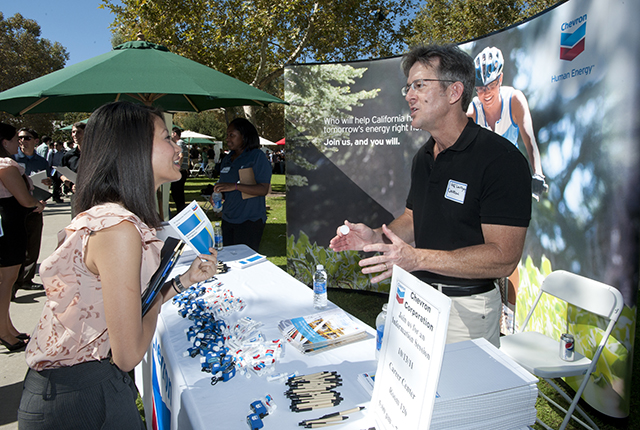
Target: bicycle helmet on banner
{"points": [[488, 66]]}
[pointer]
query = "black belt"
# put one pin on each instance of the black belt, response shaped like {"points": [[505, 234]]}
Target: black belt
{"points": [[463, 291]]}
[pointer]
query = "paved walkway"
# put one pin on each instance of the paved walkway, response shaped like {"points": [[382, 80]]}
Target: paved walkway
{"points": [[25, 312]]}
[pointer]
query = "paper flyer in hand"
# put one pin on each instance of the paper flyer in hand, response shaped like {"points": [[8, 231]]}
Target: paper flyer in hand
{"points": [[40, 191], [67, 173], [194, 227], [37, 179]]}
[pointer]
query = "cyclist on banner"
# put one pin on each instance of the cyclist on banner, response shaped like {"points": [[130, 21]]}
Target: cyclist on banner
{"points": [[505, 110]]}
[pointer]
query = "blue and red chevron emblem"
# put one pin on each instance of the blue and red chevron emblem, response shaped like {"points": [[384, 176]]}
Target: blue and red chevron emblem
{"points": [[572, 44], [400, 295]]}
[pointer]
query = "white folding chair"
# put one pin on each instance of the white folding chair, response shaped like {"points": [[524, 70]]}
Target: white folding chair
{"points": [[209, 171], [195, 170], [540, 354]]}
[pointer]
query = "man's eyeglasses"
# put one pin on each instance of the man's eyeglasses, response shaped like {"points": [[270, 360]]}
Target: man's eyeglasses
{"points": [[25, 137], [489, 87], [418, 84]]}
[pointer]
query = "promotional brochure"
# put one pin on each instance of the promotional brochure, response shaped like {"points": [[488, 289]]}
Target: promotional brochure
{"points": [[322, 330], [194, 227]]}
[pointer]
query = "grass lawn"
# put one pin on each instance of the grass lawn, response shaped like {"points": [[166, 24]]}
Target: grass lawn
{"points": [[366, 305]]}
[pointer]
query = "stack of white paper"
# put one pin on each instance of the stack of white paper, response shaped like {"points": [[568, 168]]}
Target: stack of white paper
{"points": [[367, 381], [481, 388]]}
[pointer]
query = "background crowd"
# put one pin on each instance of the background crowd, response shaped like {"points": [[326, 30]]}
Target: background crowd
{"points": [[34, 154]]}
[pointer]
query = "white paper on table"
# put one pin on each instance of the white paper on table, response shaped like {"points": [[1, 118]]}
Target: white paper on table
{"points": [[194, 227], [492, 371]]}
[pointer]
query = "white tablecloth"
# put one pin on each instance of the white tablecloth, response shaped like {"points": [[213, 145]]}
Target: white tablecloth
{"points": [[183, 395]]}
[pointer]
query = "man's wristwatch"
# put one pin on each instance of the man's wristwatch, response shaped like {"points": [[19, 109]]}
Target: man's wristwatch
{"points": [[178, 285]]}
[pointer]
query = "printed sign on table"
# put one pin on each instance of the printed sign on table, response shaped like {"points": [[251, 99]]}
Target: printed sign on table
{"points": [[411, 356]]}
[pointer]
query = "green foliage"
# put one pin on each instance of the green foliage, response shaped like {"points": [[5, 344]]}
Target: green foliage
{"points": [[253, 40], [531, 278], [363, 305], [322, 91], [118, 38], [342, 267], [269, 120], [455, 21], [210, 123], [24, 56], [314, 92], [68, 118], [273, 244]]}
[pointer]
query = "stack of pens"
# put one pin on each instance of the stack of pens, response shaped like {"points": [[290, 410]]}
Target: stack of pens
{"points": [[329, 419], [309, 392]]}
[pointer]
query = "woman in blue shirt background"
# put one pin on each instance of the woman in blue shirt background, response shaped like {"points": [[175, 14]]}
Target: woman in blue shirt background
{"points": [[243, 219]]}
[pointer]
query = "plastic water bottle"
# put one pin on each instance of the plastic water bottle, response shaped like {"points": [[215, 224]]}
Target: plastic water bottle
{"points": [[217, 236], [320, 287], [216, 202], [381, 319]]}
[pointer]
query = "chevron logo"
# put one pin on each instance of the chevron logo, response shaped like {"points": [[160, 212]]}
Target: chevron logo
{"points": [[572, 42], [400, 295]]}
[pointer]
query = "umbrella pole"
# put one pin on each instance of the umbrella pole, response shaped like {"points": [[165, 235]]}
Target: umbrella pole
{"points": [[43, 99], [191, 103], [147, 99]]}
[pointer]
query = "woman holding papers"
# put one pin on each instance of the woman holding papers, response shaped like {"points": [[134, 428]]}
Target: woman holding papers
{"points": [[15, 203], [91, 332], [245, 178]]}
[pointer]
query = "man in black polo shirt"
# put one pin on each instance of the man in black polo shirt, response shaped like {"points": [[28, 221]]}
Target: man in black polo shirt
{"points": [[469, 204]]}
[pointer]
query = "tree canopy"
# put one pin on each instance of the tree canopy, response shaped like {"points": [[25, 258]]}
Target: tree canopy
{"points": [[253, 40], [455, 21], [203, 122], [24, 56]]}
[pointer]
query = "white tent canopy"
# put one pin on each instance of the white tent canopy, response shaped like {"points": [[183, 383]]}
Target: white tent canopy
{"points": [[192, 134], [188, 134]]}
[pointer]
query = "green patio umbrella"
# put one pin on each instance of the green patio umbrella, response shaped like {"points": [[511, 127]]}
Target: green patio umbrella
{"points": [[201, 141], [139, 71], [70, 127], [193, 137]]}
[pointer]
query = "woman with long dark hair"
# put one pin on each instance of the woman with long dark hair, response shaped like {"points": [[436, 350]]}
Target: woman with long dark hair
{"points": [[244, 212], [91, 332], [16, 202]]}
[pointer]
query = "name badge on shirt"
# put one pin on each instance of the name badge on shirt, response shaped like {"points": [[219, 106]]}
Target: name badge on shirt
{"points": [[225, 170], [456, 191]]}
